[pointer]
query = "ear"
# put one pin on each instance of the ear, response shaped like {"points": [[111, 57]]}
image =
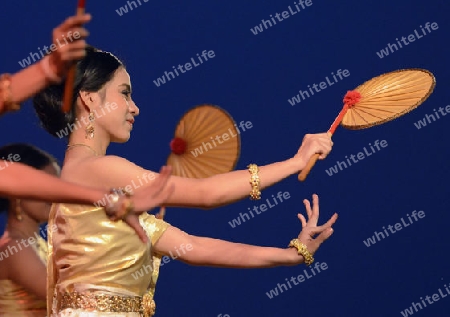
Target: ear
{"points": [[86, 99]]}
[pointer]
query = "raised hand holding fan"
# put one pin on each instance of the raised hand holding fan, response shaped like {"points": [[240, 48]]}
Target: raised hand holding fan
{"points": [[379, 100]]}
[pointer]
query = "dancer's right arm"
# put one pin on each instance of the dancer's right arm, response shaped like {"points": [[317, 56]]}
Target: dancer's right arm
{"points": [[21, 181]]}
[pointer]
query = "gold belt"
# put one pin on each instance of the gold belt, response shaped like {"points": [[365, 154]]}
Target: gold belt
{"points": [[144, 305]]}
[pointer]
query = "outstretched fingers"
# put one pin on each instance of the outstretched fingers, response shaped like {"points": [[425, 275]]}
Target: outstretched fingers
{"points": [[308, 208], [325, 226], [331, 221], [165, 195], [313, 214], [302, 219], [324, 235], [161, 181]]}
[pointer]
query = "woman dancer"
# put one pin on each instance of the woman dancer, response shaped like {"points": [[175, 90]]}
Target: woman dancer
{"points": [[102, 94], [39, 185], [23, 250], [99, 280]]}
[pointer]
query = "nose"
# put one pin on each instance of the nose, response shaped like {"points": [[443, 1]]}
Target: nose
{"points": [[134, 109]]}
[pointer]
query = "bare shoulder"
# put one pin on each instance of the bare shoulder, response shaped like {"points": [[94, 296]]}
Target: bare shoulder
{"points": [[110, 161], [106, 171], [114, 164]]}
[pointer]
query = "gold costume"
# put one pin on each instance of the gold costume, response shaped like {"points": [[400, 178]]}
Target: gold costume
{"points": [[98, 267], [15, 301]]}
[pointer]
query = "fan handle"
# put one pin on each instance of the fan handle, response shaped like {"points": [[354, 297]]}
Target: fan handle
{"points": [[350, 99], [313, 159], [70, 78]]}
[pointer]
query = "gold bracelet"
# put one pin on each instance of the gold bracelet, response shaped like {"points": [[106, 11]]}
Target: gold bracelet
{"points": [[255, 193], [6, 94], [302, 250]]}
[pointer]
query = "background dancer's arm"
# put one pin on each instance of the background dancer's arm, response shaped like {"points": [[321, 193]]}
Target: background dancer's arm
{"points": [[21, 181], [23, 266], [30, 80]]}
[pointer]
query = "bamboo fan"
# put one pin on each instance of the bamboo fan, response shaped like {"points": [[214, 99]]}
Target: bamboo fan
{"points": [[379, 100], [206, 143], [198, 153]]}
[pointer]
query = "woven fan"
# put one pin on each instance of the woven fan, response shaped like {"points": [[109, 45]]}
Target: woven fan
{"points": [[379, 100], [206, 142]]}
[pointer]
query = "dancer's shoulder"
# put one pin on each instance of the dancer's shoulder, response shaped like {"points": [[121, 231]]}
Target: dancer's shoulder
{"points": [[114, 159]]}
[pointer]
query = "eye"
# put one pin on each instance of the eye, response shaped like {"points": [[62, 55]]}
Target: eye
{"points": [[126, 93]]}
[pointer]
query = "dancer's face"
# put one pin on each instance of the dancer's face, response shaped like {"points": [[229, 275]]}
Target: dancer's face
{"points": [[115, 113], [38, 210]]}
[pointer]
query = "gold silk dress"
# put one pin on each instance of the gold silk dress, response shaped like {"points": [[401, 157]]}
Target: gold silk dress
{"points": [[98, 267], [15, 301]]}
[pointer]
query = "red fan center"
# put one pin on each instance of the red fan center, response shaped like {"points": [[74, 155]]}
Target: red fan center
{"points": [[351, 98], [178, 146]]}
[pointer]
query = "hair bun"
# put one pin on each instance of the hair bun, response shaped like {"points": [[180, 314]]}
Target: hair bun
{"points": [[48, 107], [93, 71]]}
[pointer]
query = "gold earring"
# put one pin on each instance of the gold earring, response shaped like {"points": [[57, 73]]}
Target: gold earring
{"points": [[18, 211], [90, 128]]}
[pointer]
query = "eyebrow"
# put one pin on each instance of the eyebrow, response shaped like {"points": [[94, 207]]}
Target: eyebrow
{"points": [[126, 85]]}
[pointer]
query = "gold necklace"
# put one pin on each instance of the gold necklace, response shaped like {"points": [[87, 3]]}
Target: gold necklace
{"points": [[70, 146]]}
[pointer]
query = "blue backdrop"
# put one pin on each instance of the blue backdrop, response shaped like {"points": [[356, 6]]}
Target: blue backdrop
{"points": [[253, 74]]}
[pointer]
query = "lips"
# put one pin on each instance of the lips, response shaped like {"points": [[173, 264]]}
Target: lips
{"points": [[131, 121]]}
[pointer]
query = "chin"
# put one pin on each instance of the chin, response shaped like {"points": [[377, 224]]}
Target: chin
{"points": [[121, 138]]}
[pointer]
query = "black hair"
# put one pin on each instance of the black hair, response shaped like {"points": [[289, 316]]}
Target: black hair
{"points": [[26, 154], [93, 71]]}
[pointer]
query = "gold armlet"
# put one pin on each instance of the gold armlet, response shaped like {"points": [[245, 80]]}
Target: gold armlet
{"points": [[255, 193]]}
